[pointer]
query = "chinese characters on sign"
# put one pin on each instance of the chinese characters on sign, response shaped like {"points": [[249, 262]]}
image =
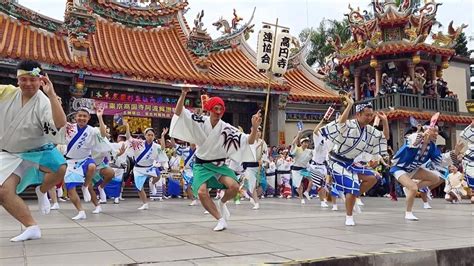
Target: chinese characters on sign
{"points": [[273, 52], [153, 110], [282, 53], [264, 48]]}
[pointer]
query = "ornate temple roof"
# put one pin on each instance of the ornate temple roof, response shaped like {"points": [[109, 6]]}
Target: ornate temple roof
{"points": [[396, 48], [402, 114], [150, 44], [392, 29]]}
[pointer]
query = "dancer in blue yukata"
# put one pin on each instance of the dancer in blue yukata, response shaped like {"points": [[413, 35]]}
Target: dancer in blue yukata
{"points": [[351, 138], [409, 164]]}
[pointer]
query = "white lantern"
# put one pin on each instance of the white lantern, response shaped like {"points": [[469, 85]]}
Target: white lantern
{"points": [[282, 53], [264, 48]]}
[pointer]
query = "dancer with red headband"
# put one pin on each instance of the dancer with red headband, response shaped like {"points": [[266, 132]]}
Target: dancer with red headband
{"points": [[216, 141]]}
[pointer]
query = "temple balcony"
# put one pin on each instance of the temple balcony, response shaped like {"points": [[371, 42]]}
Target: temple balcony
{"points": [[414, 102]]}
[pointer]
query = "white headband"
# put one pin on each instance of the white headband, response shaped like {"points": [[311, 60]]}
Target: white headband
{"points": [[36, 72]]}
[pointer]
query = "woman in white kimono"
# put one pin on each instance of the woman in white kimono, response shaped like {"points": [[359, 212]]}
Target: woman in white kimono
{"points": [[317, 164], [216, 141], [32, 120], [148, 157], [270, 173], [302, 155], [253, 170], [283, 165], [81, 140]]}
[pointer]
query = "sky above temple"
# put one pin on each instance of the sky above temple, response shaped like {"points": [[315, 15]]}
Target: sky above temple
{"points": [[296, 14]]}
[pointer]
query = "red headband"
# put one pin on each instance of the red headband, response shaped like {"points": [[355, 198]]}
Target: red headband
{"points": [[213, 101]]}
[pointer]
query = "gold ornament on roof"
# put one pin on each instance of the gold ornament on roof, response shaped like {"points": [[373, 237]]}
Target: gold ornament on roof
{"points": [[449, 40]]}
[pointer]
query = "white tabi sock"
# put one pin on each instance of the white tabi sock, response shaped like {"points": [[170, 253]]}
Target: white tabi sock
{"points": [[350, 221], [80, 216], [102, 195], [221, 225], [30, 233], [43, 202], [97, 210], [86, 194]]}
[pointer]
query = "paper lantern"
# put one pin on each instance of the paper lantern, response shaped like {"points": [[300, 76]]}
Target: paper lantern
{"points": [[264, 48], [445, 64], [80, 85], [346, 72], [373, 62], [282, 53], [439, 73], [416, 59]]}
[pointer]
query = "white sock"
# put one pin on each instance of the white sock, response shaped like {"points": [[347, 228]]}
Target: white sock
{"points": [[43, 202], [97, 210], [80, 216], [102, 195], [30, 233]]}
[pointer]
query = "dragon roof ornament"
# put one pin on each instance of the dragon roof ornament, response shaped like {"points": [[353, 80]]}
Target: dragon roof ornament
{"points": [[201, 44], [389, 22]]}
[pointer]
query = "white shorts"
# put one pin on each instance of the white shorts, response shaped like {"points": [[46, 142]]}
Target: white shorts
{"points": [[399, 173]]}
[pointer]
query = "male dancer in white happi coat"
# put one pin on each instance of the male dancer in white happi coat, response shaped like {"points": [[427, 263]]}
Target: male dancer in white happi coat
{"points": [[31, 120], [216, 141]]}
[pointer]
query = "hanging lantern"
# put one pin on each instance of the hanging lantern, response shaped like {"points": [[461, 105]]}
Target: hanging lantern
{"points": [[346, 72], [282, 53], [80, 86], [264, 48], [373, 62], [416, 59], [439, 73], [445, 64]]}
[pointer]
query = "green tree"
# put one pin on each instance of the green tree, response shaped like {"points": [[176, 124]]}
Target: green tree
{"points": [[320, 48], [461, 46]]}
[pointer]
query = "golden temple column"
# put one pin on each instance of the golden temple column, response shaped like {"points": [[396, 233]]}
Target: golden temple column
{"points": [[357, 84], [378, 79]]}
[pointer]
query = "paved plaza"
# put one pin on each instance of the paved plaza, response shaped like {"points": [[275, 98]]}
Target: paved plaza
{"points": [[172, 233]]}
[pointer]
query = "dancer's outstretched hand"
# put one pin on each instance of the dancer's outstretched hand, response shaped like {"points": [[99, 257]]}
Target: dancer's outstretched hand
{"points": [[459, 147], [257, 119]]}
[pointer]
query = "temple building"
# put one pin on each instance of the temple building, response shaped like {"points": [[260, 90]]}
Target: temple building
{"points": [[392, 61], [129, 57], [132, 57]]}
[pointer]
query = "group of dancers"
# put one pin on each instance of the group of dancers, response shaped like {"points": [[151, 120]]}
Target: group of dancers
{"points": [[33, 122]]}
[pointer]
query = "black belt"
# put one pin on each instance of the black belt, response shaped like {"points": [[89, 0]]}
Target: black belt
{"points": [[297, 168], [315, 163], [201, 161], [249, 165], [270, 174], [283, 172], [137, 165], [340, 158]]}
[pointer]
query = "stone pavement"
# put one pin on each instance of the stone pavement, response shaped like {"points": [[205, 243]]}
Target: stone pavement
{"points": [[172, 233]]}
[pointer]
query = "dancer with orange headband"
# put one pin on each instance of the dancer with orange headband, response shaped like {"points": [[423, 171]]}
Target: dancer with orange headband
{"points": [[216, 141]]}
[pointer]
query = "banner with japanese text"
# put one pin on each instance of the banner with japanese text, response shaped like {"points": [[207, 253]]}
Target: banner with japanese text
{"points": [[141, 109]]}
